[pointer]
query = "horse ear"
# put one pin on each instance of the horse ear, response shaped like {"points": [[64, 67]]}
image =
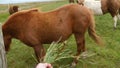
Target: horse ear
{"points": [[15, 8], [80, 2]]}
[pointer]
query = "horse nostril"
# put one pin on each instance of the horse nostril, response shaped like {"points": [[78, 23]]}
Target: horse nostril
{"points": [[48, 67]]}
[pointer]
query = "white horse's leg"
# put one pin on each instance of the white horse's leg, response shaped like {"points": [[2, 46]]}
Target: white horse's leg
{"points": [[115, 21], [118, 15]]}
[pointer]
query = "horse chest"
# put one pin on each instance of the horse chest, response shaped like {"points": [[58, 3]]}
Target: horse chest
{"points": [[95, 6]]}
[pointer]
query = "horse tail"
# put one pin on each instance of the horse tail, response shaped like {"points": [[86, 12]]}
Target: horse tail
{"points": [[92, 32]]}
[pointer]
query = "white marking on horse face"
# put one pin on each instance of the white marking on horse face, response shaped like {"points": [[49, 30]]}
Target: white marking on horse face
{"points": [[19, 9], [95, 6]]}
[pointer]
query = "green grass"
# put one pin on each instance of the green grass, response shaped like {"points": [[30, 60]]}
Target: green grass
{"points": [[22, 56]]}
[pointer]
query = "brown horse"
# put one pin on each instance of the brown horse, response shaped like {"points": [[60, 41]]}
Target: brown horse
{"points": [[13, 9], [104, 6], [35, 28]]}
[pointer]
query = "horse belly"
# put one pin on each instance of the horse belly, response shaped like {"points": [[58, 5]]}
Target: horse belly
{"points": [[95, 7], [55, 35]]}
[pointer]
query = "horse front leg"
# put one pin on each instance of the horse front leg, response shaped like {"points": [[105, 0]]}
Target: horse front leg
{"points": [[39, 52], [115, 18]]}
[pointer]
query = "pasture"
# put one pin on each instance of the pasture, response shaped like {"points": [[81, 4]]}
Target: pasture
{"points": [[108, 56]]}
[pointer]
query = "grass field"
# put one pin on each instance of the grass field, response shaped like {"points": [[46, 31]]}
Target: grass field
{"points": [[22, 56]]}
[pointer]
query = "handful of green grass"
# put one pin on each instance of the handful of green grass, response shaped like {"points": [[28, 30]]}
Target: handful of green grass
{"points": [[56, 52]]}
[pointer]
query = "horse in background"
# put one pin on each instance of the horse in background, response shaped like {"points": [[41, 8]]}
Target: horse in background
{"points": [[35, 28], [13, 9], [101, 7], [72, 1]]}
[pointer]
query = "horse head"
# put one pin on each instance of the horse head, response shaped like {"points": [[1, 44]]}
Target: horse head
{"points": [[13, 9]]}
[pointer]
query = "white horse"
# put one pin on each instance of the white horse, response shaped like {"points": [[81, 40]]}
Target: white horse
{"points": [[100, 7]]}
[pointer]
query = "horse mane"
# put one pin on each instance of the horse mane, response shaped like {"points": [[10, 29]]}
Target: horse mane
{"points": [[34, 9], [29, 10], [63, 7], [26, 11], [23, 12]]}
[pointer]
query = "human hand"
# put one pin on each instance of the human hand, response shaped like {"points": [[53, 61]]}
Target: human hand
{"points": [[44, 65]]}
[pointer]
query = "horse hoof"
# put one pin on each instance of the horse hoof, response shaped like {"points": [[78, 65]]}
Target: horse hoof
{"points": [[73, 65], [114, 28]]}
